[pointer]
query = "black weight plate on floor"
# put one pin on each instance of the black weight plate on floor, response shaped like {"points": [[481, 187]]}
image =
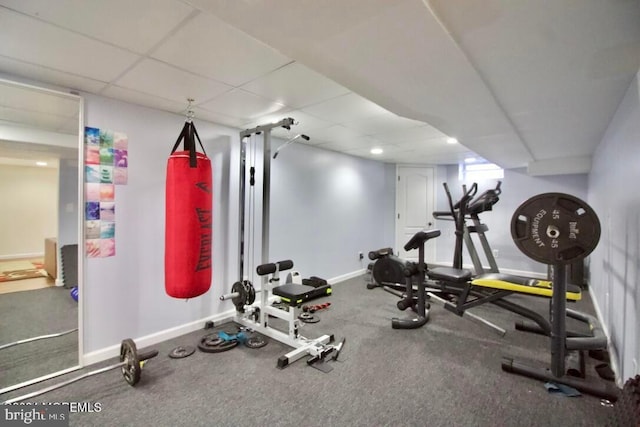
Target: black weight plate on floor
{"points": [[213, 344], [309, 318], [182, 352], [256, 341], [555, 228], [129, 354]]}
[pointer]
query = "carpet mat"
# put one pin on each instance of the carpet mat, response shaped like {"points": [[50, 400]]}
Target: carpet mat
{"points": [[21, 269]]}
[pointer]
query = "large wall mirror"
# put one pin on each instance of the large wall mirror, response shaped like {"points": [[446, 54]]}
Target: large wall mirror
{"points": [[40, 231]]}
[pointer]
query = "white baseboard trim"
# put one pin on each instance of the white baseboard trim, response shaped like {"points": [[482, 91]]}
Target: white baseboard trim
{"points": [[613, 352], [155, 338], [346, 276], [22, 256]]}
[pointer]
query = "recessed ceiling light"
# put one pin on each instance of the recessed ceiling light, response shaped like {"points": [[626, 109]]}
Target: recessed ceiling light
{"points": [[470, 160], [452, 141], [376, 151], [41, 163]]}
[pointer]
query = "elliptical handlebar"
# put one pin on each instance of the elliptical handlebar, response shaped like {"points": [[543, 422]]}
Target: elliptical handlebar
{"points": [[485, 201]]}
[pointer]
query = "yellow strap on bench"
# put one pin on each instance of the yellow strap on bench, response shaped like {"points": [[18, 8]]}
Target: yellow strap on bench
{"points": [[541, 288]]}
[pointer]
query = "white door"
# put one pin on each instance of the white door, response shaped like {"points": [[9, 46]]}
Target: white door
{"points": [[415, 203]]}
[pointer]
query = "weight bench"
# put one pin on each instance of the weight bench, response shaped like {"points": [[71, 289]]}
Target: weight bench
{"points": [[492, 288], [523, 285], [256, 315]]}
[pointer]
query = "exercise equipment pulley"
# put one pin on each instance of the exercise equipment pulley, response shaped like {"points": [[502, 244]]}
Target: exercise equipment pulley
{"points": [[131, 363]]}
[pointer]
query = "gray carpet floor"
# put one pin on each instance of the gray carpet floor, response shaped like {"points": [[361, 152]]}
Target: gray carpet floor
{"points": [[35, 313], [445, 374]]}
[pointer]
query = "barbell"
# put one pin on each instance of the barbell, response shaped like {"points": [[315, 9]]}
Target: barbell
{"points": [[131, 363]]}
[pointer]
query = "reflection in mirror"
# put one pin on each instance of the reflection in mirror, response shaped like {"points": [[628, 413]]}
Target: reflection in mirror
{"points": [[39, 222]]}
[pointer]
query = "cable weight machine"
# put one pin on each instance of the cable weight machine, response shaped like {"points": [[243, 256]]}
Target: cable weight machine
{"points": [[252, 314]]}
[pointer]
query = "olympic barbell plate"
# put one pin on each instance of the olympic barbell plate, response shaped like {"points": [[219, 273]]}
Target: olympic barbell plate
{"points": [[251, 292], [555, 228], [182, 352], [256, 341], [309, 318], [212, 343], [239, 300], [129, 354]]}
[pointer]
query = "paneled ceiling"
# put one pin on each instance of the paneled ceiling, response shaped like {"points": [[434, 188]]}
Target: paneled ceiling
{"points": [[520, 83]]}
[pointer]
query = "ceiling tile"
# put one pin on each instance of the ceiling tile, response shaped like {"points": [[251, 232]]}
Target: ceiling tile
{"points": [[295, 86], [213, 48], [139, 98], [420, 133], [421, 157], [382, 123], [32, 118], [27, 100], [159, 79], [388, 154], [244, 105], [387, 150], [36, 42], [334, 134], [135, 25], [70, 126], [222, 119], [344, 109], [48, 75], [363, 142], [432, 144]]}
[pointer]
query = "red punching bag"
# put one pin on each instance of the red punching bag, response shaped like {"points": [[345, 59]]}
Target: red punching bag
{"points": [[189, 219]]}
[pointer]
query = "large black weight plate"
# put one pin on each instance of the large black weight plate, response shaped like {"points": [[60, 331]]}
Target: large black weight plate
{"points": [[246, 294], [555, 228], [256, 341], [212, 343], [182, 352], [131, 371]]}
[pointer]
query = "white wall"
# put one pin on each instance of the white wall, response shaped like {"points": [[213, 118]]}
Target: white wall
{"points": [[325, 208], [615, 264], [28, 209], [124, 295]]}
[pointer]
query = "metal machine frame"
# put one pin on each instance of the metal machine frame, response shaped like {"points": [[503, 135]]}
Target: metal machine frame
{"points": [[256, 315]]}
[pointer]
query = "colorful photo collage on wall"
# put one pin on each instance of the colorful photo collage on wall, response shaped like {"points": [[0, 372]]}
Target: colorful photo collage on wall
{"points": [[106, 163]]}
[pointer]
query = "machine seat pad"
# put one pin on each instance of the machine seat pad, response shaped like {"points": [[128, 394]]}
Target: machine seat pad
{"points": [[295, 294], [524, 285], [449, 274]]}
